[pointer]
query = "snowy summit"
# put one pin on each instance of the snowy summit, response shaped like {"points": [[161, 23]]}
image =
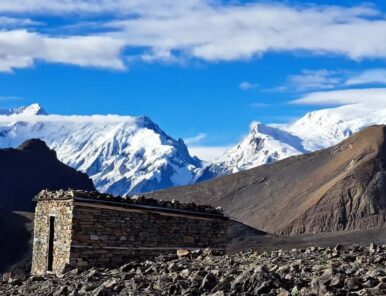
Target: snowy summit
{"points": [[130, 155], [122, 154]]}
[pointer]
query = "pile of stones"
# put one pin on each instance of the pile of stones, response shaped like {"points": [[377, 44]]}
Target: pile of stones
{"points": [[341, 270], [130, 200]]}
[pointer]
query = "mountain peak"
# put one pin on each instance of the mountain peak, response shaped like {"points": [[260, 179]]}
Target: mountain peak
{"points": [[127, 155], [37, 146], [255, 126], [33, 145], [30, 168], [33, 109], [263, 145], [259, 129]]}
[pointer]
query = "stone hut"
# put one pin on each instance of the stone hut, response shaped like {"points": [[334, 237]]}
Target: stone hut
{"points": [[78, 229]]}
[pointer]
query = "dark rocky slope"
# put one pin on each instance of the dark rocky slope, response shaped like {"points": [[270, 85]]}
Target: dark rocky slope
{"points": [[16, 233], [314, 271], [25, 171], [340, 188], [30, 168]]}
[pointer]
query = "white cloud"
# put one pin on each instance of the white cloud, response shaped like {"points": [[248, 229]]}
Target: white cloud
{"points": [[314, 79], [196, 139], [20, 49], [6, 21], [124, 7], [242, 32], [245, 85], [209, 30], [371, 96], [374, 76], [208, 153], [69, 119]]}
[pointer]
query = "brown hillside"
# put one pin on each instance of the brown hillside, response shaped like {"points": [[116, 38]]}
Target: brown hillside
{"points": [[340, 188]]}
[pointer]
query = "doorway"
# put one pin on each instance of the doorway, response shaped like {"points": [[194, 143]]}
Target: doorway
{"points": [[51, 244]]}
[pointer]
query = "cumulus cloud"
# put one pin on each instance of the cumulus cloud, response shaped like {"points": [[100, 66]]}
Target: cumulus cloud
{"points": [[370, 96], [242, 32], [374, 76], [20, 49], [207, 30]]}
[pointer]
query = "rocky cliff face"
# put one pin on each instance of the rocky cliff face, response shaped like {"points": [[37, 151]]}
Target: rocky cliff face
{"points": [[31, 167], [340, 188]]}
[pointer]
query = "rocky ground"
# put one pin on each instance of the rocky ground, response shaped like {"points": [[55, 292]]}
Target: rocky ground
{"points": [[341, 270]]}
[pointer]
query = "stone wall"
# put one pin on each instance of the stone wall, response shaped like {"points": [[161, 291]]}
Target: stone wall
{"points": [[105, 235], [62, 211]]}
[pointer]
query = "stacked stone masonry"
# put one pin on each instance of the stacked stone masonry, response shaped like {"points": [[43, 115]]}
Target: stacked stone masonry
{"points": [[103, 233]]}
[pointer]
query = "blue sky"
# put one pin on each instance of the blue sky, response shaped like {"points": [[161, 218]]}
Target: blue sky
{"points": [[202, 69]]}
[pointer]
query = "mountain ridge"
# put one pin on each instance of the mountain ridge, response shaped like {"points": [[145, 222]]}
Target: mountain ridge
{"points": [[316, 130], [127, 155], [31, 168], [122, 154], [263, 145], [338, 188]]}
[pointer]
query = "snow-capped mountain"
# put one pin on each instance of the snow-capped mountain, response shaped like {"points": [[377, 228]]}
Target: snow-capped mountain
{"points": [[327, 127], [316, 130], [34, 109], [129, 155], [122, 154], [264, 144]]}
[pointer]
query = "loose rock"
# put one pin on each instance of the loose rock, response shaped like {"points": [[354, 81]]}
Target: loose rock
{"points": [[314, 271]]}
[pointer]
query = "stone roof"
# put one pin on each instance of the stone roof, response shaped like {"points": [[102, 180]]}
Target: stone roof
{"points": [[127, 200]]}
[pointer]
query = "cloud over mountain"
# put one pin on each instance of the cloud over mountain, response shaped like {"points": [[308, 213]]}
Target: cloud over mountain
{"points": [[372, 96]]}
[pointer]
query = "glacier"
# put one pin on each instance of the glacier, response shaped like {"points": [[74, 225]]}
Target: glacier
{"points": [[122, 154]]}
